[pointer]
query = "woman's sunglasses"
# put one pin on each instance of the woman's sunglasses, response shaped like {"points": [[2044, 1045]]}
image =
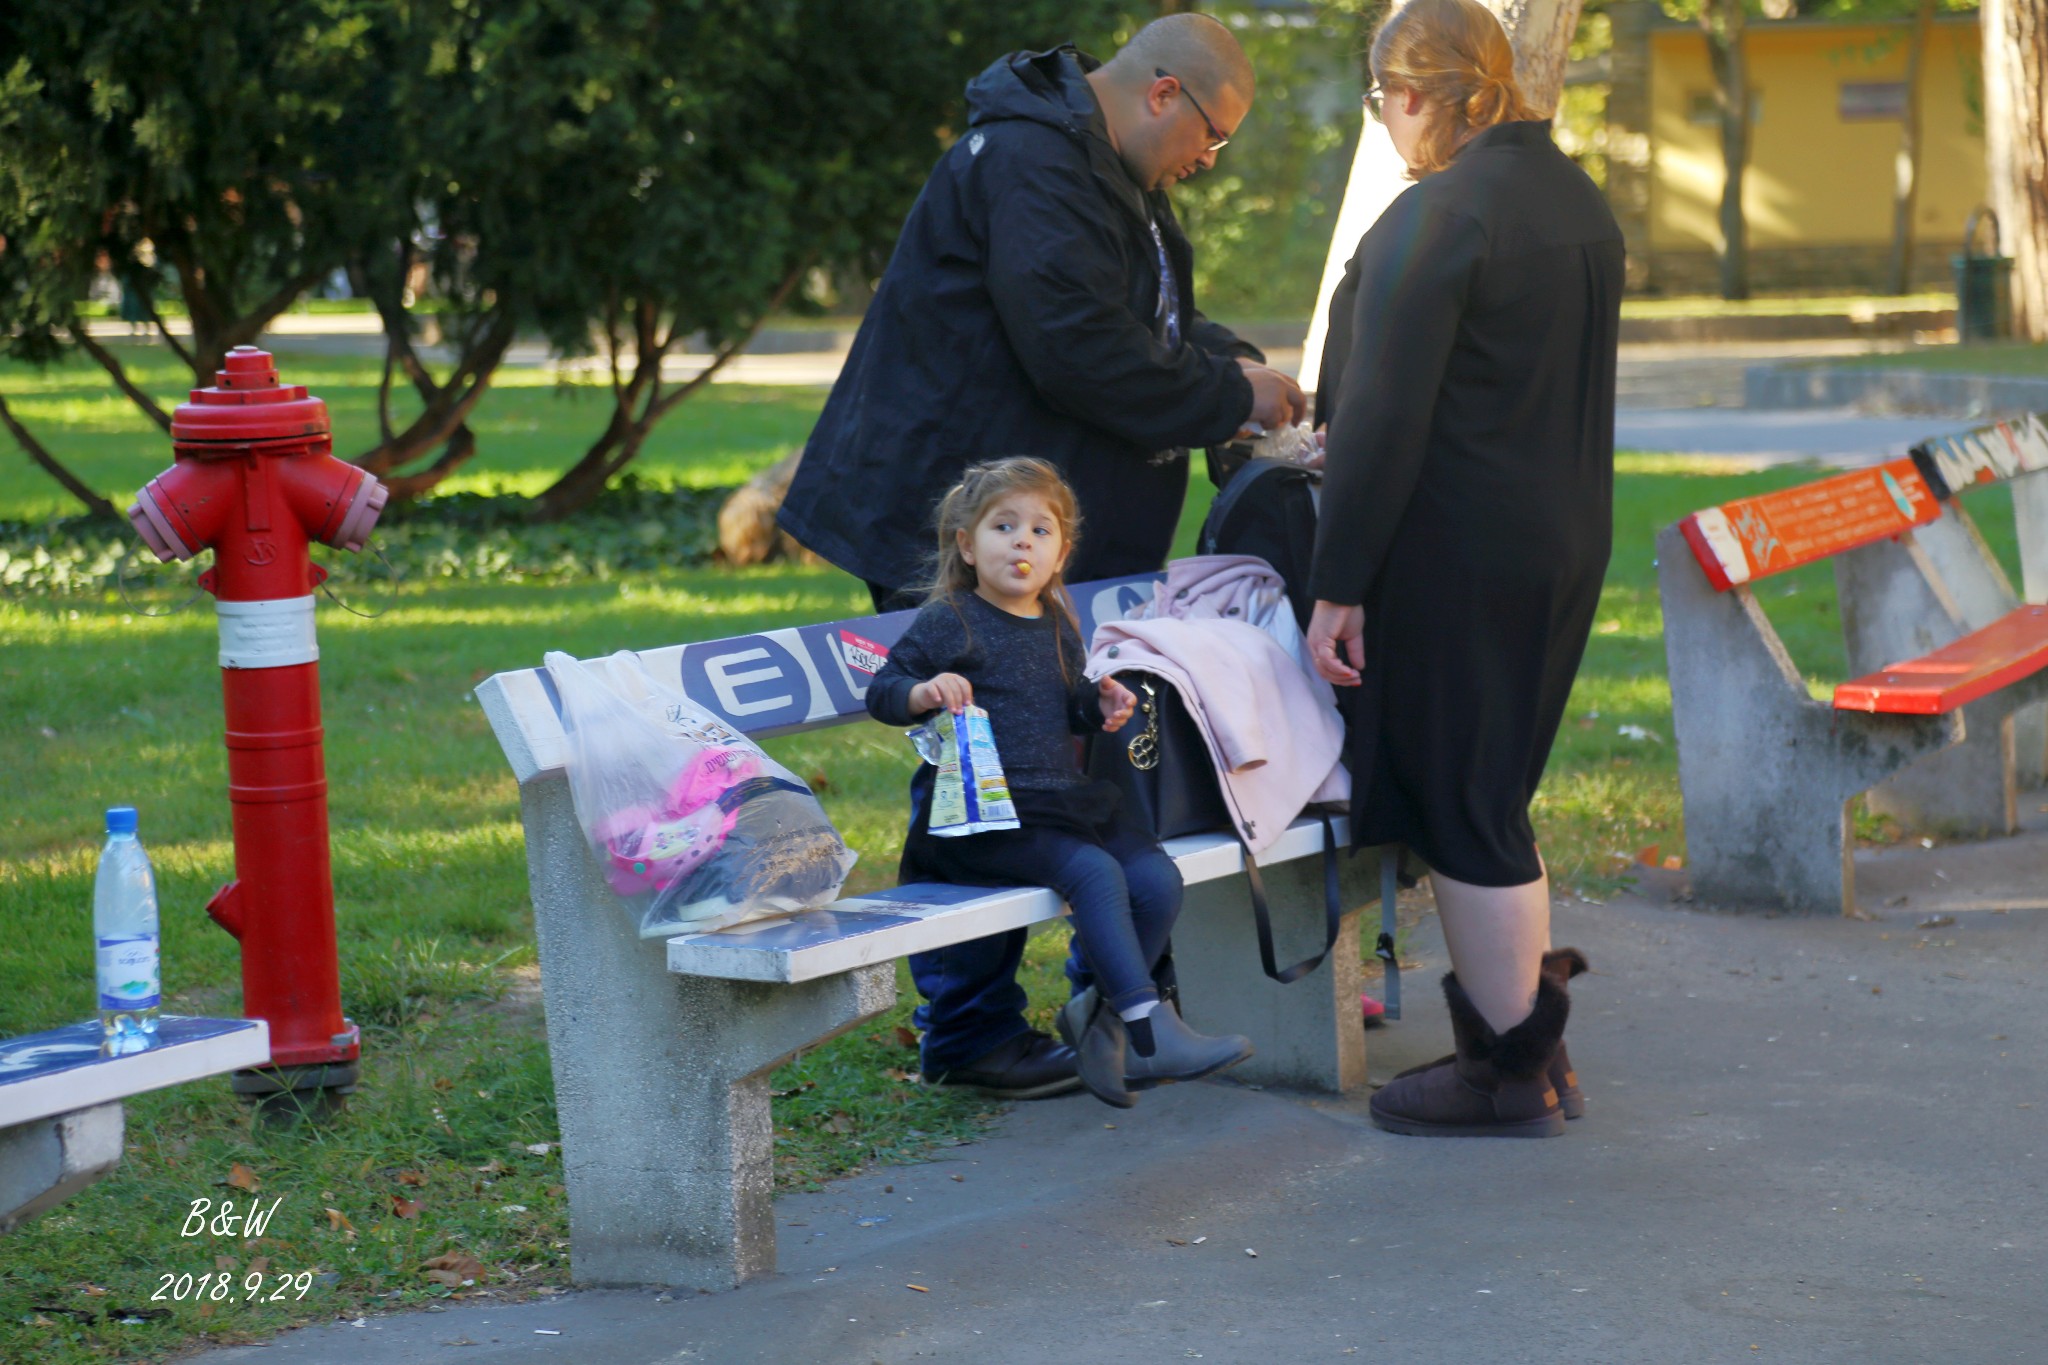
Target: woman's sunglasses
{"points": [[1375, 100]]}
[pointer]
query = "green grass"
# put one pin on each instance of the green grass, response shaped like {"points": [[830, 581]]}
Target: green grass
{"points": [[1979, 357], [101, 705], [529, 428]]}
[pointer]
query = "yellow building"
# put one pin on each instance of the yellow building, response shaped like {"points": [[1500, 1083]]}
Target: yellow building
{"points": [[1826, 102]]}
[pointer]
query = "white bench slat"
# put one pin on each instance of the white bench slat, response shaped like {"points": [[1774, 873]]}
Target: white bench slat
{"points": [[61, 1070], [777, 682], [885, 925]]}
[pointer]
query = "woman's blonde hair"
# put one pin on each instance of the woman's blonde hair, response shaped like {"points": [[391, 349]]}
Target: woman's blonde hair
{"points": [[1456, 55], [967, 501]]}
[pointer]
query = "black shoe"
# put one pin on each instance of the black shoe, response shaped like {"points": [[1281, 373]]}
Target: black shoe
{"points": [[1030, 1066]]}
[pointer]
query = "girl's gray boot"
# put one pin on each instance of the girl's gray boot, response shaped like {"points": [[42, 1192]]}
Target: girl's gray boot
{"points": [[1181, 1054], [1097, 1036]]}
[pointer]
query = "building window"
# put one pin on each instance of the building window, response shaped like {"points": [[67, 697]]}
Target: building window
{"points": [[1704, 107], [1865, 101]]}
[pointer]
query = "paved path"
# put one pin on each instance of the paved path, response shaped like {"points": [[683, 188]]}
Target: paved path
{"points": [[1810, 1140]]}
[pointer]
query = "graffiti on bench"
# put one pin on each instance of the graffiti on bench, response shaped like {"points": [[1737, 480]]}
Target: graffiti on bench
{"points": [[1990, 454], [1752, 537]]}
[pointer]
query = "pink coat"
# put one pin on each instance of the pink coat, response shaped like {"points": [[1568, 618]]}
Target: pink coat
{"points": [[1276, 741]]}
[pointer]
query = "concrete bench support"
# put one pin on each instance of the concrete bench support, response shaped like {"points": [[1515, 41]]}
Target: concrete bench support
{"points": [[46, 1161], [1766, 770], [1309, 1034], [661, 1081]]}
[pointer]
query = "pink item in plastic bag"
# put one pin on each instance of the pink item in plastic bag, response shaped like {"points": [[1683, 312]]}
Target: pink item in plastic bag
{"points": [[652, 850]]}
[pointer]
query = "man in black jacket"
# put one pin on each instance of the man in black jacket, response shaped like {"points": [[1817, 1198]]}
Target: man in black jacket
{"points": [[1040, 302]]}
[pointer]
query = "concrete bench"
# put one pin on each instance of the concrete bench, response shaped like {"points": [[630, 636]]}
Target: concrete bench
{"points": [[661, 1052], [61, 1118], [1945, 723]]}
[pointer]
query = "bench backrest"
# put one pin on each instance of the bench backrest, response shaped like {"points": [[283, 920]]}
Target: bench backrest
{"points": [[1752, 538], [1987, 454], [777, 682]]}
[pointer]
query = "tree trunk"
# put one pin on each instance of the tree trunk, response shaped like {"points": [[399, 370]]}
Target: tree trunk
{"points": [[1541, 31], [1723, 21], [94, 504], [1906, 168], [2016, 150]]}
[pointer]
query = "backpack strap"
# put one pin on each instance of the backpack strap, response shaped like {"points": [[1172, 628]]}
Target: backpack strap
{"points": [[1333, 907], [1390, 890], [1247, 475]]}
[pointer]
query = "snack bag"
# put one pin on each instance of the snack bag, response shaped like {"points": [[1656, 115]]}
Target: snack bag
{"points": [[970, 793], [691, 824]]}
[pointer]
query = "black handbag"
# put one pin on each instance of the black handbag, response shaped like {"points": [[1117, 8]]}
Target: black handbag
{"points": [[1160, 763]]}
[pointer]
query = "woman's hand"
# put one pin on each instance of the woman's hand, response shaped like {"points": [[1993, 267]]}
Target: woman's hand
{"points": [[1118, 702], [1336, 634], [949, 690]]}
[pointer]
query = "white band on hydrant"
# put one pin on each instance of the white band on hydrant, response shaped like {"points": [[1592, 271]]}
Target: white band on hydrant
{"points": [[272, 634]]}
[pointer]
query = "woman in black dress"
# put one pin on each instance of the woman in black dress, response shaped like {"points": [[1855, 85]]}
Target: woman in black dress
{"points": [[1466, 518]]}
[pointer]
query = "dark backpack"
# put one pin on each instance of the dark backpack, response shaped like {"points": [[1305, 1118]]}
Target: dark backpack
{"points": [[1268, 509]]}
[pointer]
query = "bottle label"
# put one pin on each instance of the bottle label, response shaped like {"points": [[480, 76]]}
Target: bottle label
{"points": [[128, 974]]}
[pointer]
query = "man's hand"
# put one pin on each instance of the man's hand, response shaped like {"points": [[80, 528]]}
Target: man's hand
{"points": [[1335, 634], [1117, 704], [949, 690], [1277, 400]]}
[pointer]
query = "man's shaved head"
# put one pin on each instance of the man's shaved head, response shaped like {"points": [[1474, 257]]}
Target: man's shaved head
{"points": [[1194, 47]]}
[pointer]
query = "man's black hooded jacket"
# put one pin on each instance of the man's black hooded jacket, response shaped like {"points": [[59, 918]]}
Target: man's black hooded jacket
{"points": [[1020, 316]]}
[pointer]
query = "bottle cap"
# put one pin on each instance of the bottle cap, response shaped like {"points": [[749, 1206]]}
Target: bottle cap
{"points": [[121, 820]]}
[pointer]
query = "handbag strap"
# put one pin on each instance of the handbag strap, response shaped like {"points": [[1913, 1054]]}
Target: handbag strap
{"points": [[1262, 919]]}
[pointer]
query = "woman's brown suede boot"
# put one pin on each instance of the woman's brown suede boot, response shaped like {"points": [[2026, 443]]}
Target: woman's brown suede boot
{"points": [[1561, 965], [1495, 1085]]}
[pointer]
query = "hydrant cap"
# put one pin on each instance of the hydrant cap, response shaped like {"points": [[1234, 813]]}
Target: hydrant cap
{"points": [[247, 404]]}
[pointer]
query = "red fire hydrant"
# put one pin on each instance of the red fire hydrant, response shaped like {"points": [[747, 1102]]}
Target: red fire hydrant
{"points": [[255, 481]]}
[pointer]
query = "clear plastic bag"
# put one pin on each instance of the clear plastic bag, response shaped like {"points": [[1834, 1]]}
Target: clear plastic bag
{"points": [[1297, 445], [692, 825]]}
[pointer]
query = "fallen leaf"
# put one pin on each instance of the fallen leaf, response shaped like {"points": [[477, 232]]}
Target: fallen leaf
{"points": [[540, 1148], [404, 1208], [491, 1167], [223, 1263], [818, 783], [905, 1037], [1648, 855], [93, 1290], [242, 1178], [897, 1073], [1936, 922], [412, 1177], [363, 1171], [960, 1179], [443, 1083], [259, 1265], [454, 1268], [1673, 863], [1175, 1242], [1877, 990], [838, 1123], [918, 1287], [337, 1221]]}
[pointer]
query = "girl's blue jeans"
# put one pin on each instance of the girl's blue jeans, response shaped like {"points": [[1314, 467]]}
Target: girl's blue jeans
{"points": [[1124, 893]]}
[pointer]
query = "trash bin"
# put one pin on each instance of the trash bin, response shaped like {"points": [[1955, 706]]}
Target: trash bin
{"points": [[1983, 285]]}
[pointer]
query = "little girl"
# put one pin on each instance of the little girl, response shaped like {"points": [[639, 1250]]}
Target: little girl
{"points": [[998, 632]]}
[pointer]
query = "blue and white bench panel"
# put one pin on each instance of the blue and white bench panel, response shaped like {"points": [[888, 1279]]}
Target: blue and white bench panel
{"points": [[62, 1069], [885, 925], [778, 682]]}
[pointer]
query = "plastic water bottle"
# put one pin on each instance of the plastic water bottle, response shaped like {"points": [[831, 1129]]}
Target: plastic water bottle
{"points": [[124, 923]]}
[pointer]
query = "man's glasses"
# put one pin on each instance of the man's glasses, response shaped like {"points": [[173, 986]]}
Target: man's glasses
{"points": [[1217, 141]]}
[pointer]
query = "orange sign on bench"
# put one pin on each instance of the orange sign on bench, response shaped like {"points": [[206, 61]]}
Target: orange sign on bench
{"points": [[2010, 648], [1754, 537]]}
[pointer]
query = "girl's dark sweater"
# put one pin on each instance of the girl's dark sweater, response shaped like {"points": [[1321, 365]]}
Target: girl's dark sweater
{"points": [[1014, 664]]}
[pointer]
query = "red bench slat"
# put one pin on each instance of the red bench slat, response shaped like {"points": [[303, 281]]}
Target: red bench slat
{"points": [[2010, 648], [1754, 537]]}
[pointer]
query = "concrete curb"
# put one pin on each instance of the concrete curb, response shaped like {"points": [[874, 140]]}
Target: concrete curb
{"points": [[1879, 392]]}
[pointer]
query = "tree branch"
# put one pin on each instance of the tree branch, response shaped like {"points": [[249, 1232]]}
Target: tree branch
{"points": [[112, 366], [49, 464]]}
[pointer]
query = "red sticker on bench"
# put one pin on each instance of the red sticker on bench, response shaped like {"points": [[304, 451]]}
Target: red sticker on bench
{"points": [[1754, 537]]}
